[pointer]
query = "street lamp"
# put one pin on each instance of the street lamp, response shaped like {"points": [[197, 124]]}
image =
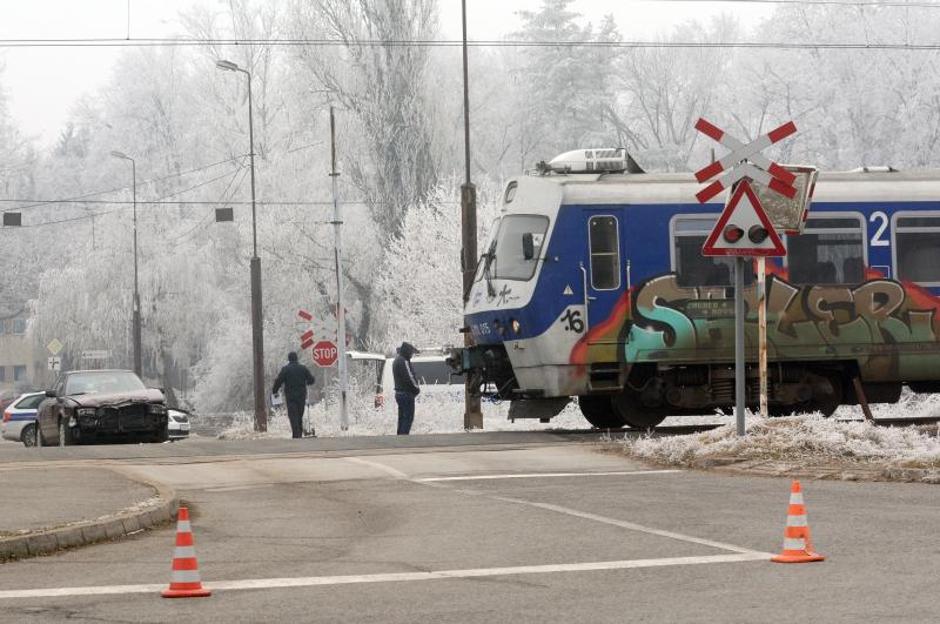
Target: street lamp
{"points": [[137, 356], [257, 338]]}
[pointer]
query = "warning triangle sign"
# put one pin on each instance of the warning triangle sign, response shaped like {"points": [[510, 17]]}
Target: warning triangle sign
{"points": [[743, 228]]}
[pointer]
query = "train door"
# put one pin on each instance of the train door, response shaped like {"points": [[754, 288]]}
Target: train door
{"points": [[604, 274]]}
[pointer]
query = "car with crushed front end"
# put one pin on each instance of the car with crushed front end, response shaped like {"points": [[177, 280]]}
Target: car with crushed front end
{"points": [[91, 405]]}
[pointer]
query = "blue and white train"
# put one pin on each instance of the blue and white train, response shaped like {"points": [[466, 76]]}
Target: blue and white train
{"points": [[594, 286]]}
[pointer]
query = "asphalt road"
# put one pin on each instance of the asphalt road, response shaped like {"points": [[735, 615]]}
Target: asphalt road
{"points": [[542, 529]]}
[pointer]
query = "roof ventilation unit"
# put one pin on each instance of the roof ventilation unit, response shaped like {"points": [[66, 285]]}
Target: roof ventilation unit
{"points": [[602, 160]]}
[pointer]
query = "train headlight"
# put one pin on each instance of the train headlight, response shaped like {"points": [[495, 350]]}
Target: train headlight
{"points": [[733, 233], [516, 327], [757, 234]]}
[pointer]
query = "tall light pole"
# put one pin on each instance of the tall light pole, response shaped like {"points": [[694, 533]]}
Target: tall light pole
{"points": [[473, 416], [257, 337], [137, 357]]}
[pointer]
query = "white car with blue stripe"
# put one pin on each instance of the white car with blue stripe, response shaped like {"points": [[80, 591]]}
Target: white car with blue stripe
{"points": [[19, 418]]}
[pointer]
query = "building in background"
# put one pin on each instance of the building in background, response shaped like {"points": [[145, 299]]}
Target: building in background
{"points": [[18, 362]]}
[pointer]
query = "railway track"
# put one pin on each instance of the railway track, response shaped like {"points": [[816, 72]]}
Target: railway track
{"points": [[677, 430]]}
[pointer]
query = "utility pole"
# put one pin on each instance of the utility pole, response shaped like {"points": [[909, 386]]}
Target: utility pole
{"points": [[473, 416], [337, 257], [257, 329], [138, 366]]}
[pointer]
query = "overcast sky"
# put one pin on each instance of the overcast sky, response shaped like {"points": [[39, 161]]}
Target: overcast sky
{"points": [[42, 83]]}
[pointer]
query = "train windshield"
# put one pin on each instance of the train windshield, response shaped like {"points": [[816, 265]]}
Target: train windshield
{"points": [[509, 261]]}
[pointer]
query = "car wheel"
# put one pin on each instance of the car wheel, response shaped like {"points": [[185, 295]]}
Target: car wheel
{"points": [[65, 433], [161, 436], [28, 435]]}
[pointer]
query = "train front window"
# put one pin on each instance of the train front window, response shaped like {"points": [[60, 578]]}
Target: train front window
{"points": [[510, 262], [831, 250], [691, 267], [917, 245]]}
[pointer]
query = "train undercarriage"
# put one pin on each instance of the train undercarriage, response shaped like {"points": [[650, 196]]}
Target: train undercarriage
{"points": [[642, 395]]}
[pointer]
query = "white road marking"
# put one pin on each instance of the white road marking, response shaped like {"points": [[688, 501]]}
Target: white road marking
{"points": [[398, 474], [541, 475], [312, 581], [236, 488], [434, 482], [631, 526]]}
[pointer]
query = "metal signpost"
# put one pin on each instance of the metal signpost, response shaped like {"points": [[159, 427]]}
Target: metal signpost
{"points": [[744, 231]]}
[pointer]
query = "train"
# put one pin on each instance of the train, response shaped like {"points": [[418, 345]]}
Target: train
{"points": [[593, 287]]}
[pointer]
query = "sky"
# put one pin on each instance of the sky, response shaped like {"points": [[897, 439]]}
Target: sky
{"points": [[43, 83]]}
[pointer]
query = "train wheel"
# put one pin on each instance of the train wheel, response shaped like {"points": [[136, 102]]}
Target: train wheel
{"points": [[599, 412], [634, 414], [827, 393]]}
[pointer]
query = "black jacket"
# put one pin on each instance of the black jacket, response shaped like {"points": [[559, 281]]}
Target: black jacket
{"points": [[295, 378], [402, 372]]}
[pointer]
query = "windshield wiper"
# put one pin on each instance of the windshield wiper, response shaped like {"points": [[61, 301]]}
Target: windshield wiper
{"points": [[488, 270]]}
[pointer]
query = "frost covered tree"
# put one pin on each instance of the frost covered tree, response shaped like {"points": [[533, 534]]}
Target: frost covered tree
{"points": [[386, 89], [420, 280], [563, 92]]}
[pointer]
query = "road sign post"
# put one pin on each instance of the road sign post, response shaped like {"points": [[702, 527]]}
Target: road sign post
{"points": [[744, 231]]}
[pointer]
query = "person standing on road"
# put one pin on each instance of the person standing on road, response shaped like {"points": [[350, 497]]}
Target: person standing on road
{"points": [[406, 387], [295, 377]]}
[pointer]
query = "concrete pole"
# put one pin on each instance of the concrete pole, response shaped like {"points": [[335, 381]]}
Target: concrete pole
{"points": [[138, 359], [473, 415], [257, 319], [740, 370], [340, 309]]}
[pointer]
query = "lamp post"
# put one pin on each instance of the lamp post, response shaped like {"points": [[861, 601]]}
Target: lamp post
{"points": [[137, 357], [257, 337]]}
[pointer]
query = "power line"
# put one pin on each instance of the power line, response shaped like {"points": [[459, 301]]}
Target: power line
{"points": [[845, 3], [182, 202], [445, 43], [40, 202]]}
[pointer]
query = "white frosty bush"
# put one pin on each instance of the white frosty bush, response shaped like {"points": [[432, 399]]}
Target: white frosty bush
{"points": [[800, 439]]}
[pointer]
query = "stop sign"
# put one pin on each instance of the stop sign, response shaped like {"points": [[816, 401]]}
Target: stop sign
{"points": [[324, 354]]}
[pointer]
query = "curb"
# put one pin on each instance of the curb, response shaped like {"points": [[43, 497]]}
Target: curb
{"points": [[107, 528]]}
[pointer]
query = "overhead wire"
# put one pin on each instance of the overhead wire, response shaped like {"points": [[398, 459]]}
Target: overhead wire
{"points": [[505, 43], [40, 202]]}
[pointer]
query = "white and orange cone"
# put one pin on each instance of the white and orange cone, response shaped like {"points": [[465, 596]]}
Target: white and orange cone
{"points": [[184, 578], [797, 547]]}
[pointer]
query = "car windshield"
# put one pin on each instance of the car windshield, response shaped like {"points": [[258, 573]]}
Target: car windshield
{"points": [[510, 261], [104, 382]]}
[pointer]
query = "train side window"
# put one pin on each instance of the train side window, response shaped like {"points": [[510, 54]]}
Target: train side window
{"points": [[691, 267], [831, 250], [605, 253], [917, 248]]}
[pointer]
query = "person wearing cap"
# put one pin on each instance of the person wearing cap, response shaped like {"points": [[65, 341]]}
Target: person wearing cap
{"points": [[295, 377], [406, 387]]}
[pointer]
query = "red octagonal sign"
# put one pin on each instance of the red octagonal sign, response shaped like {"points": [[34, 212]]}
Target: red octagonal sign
{"points": [[324, 353]]}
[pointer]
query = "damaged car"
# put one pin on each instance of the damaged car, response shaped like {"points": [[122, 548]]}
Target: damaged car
{"points": [[91, 405]]}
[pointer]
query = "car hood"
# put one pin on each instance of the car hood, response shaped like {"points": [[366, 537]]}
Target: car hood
{"points": [[118, 398]]}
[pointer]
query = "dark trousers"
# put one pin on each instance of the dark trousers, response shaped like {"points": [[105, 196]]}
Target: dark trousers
{"points": [[406, 411], [295, 413]]}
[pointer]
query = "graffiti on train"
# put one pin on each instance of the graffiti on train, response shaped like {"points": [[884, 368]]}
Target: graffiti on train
{"points": [[882, 323]]}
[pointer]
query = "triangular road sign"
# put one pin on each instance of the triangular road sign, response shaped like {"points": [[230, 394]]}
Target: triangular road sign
{"points": [[743, 228]]}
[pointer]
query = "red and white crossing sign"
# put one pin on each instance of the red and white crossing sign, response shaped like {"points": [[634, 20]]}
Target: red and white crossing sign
{"points": [[325, 353], [743, 228], [745, 161]]}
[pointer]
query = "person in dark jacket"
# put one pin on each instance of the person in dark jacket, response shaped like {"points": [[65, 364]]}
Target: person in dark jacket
{"points": [[406, 387], [295, 377]]}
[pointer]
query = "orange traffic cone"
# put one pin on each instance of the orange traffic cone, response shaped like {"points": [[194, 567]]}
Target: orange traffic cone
{"points": [[184, 578], [797, 547]]}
